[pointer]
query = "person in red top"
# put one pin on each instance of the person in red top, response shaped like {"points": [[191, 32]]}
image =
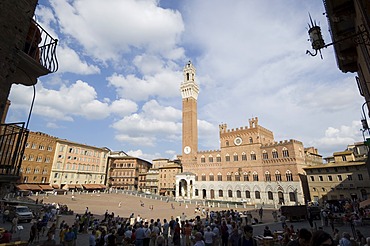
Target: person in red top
{"points": [[7, 236], [187, 231]]}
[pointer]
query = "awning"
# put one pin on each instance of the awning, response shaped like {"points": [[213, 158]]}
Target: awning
{"points": [[23, 187], [101, 186], [46, 187], [34, 187], [365, 203], [55, 186], [162, 191], [90, 186]]}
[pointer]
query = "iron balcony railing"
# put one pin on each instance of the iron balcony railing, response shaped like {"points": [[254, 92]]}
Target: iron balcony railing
{"points": [[13, 139], [41, 46]]}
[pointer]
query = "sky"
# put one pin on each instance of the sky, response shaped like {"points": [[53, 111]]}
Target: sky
{"points": [[121, 65]]}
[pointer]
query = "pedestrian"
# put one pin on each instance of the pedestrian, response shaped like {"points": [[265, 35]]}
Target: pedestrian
{"points": [[345, 240], [14, 224], [92, 239], [6, 214], [199, 239], [246, 238], [33, 233], [50, 241], [304, 238], [260, 213], [320, 238]]}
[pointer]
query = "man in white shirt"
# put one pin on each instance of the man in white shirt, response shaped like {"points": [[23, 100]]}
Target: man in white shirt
{"points": [[199, 239], [208, 236]]}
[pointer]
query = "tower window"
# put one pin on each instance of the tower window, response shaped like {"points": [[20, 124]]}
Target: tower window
{"points": [[187, 76]]}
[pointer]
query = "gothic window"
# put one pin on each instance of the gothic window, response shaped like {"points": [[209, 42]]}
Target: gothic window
{"points": [[202, 159], [227, 157], [270, 195], [218, 158], [211, 177], [265, 156], [277, 176], [245, 176], [219, 177], [285, 152], [292, 196], [220, 193], [203, 177], [255, 176], [275, 154], [227, 143], [247, 194], [289, 176], [30, 158], [253, 156], [235, 157], [244, 156], [237, 177], [196, 192], [228, 177], [230, 193], [257, 194], [267, 176], [250, 140], [196, 177], [238, 194], [210, 158]]}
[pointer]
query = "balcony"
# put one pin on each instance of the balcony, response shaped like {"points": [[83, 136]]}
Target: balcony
{"points": [[13, 138], [38, 57]]}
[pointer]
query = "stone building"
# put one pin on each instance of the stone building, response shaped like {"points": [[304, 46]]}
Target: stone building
{"points": [[167, 178], [78, 166], [124, 171], [38, 158], [343, 176], [250, 165], [27, 52]]}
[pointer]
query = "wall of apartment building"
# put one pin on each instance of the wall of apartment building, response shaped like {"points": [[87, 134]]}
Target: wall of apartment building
{"points": [[38, 158], [167, 178], [76, 163]]}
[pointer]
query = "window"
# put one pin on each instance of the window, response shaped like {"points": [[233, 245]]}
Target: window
{"points": [[275, 154], [27, 145], [202, 159], [219, 177], [257, 194], [312, 178], [267, 176], [270, 195], [220, 193], [56, 175], [70, 150], [39, 159], [210, 159], [50, 148], [30, 158], [196, 192], [253, 156], [33, 146], [277, 176], [238, 194], [339, 177], [28, 170], [211, 177], [227, 157], [246, 177], [255, 176], [289, 176], [244, 157], [285, 152], [235, 157], [237, 176], [41, 147], [349, 177], [330, 178], [344, 158], [247, 194], [320, 178], [230, 193], [265, 156], [218, 158], [360, 177], [196, 177], [203, 177], [227, 143], [292, 197], [250, 140], [228, 177]]}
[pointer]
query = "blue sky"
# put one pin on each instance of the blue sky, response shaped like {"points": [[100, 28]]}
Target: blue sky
{"points": [[120, 70]]}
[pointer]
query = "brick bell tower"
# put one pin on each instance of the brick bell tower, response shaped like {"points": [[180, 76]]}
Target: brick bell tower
{"points": [[189, 93]]}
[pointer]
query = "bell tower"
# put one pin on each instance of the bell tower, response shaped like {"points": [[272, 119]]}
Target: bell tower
{"points": [[189, 94]]}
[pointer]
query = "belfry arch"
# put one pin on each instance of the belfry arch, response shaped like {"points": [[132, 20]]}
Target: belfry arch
{"points": [[185, 185]]}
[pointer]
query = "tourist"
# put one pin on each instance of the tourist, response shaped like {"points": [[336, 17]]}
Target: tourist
{"points": [[50, 241], [336, 236], [321, 238], [92, 239], [7, 237], [304, 238], [267, 232], [208, 236], [33, 233], [199, 239], [345, 240], [247, 237]]}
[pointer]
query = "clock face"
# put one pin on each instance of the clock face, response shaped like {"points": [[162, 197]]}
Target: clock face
{"points": [[238, 141], [187, 150]]}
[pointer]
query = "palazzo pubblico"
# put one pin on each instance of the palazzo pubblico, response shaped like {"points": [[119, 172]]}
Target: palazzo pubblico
{"points": [[249, 167]]}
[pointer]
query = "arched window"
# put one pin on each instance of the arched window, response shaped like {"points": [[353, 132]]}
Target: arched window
{"points": [[227, 143], [196, 177], [275, 154], [196, 192], [289, 176], [257, 194], [255, 176], [244, 156], [211, 177], [292, 197], [267, 176], [230, 193], [247, 194], [235, 157], [253, 156], [237, 176], [277, 175], [265, 156], [202, 159], [250, 140], [270, 195], [285, 152], [227, 157], [203, 177], [220, 193], [238, 194], [219, 177], [210, 158], [218, 158], [246, 176], [228, 176]]}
